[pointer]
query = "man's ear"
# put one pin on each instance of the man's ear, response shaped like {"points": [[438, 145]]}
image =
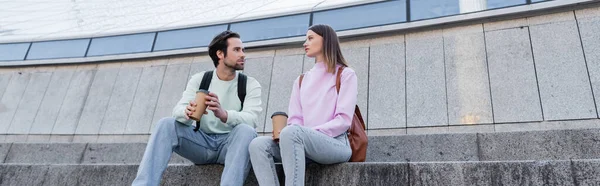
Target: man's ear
{"points": [[220, 54]]}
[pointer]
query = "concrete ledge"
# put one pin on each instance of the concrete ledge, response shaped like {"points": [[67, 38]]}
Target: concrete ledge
{"points": [[430, 147], [45, 153], [121, 153], [550, 145], [114, 153], [506, 146], [576, 172], [493, 173]]}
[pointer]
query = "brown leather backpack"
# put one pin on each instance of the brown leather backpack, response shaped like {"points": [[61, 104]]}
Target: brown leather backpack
{"points": [[356, 134]]}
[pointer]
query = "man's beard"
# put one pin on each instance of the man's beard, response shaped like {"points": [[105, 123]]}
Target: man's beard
{"points": [[235, 66]]}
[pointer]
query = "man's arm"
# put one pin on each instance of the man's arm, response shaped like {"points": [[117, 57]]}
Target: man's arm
{"points": [[188, 95], [252, 106]]}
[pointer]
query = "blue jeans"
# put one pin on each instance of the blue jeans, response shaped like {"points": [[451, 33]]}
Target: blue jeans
{"points": [[171, 136], [296, 144]]}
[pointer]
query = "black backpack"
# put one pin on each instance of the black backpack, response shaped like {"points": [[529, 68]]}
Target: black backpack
{"points": [[242, 79]]}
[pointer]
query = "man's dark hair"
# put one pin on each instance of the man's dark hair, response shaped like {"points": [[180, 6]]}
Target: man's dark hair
{"points": [[220, 43]]}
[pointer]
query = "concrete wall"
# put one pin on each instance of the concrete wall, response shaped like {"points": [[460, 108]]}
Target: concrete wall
{"points": [[517, 74]]}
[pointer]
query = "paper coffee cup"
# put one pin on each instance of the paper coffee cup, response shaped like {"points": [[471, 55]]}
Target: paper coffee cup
{"points": [[279, 121], [200, 105]]}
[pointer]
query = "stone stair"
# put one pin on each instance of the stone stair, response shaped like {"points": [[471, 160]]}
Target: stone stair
{"points": [[557, 157]]}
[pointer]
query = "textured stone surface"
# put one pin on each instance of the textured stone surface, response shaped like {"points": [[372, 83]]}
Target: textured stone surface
{"points": [[29, 104], [539, 145], [70, 110], [562, 75], [4, 80], [65, 153], [387, 39], [144, 102], [358, 174], [585, 143], [386, 132], [425, 80], [417, 148], [512, 76], [53, 99], [428, 130], [173, 84], [586, 172], [181, 60], [118, 138], [177, 159], [11, 98], [548, 125], [90, 175], [387, 95], [491, 173], [583, 172], [290, 51], [261, 69], [4, 147], [86, 138], [551, 18], [467, 77], [60, 138], [23, 174], [589, 28], [44, 138], [286, 70], [114, 153], [15, 138], [358, 59], [591, 12], [200, 66], [505, 24], [136, 138], [471, 129], [121, 100], [198, 175], [258, 53], [97, 100]]}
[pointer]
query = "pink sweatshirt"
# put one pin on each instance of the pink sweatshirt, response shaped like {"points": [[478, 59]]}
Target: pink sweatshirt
{"points": [[317, 105]]}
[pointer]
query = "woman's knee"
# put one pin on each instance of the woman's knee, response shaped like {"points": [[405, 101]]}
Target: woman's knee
{"points": [[260, 144], [291, 132]]}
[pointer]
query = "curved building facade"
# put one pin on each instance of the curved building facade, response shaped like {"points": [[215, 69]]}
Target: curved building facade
{"points": [[423, 66]]}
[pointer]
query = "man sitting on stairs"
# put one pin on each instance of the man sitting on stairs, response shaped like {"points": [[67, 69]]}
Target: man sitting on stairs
{"points": [[226, 128]]}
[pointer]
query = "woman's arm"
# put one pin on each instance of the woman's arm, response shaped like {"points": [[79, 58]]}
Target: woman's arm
{"points": [[346, 103]]}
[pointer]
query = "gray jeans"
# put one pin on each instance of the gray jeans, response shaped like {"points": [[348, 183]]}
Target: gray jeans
{"points": [[171, 136], [296, 144]]}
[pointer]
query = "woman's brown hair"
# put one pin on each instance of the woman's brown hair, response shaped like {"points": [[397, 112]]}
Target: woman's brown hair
{"points": [[331, 46]]}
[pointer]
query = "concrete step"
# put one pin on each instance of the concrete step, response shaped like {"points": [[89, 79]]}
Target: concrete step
{"points": [[535, 145], [553, 172]]}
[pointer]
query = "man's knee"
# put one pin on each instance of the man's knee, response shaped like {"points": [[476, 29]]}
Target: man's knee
{"points": [[244, 130], [165, 123]]}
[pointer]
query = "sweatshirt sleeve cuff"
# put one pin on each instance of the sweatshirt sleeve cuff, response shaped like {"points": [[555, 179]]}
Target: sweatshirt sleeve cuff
{"points": [[232, 118]]}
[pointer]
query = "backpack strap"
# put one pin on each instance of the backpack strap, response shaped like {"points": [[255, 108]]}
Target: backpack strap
{"points": [[206, 80], [242, 81], [204, 84]]}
